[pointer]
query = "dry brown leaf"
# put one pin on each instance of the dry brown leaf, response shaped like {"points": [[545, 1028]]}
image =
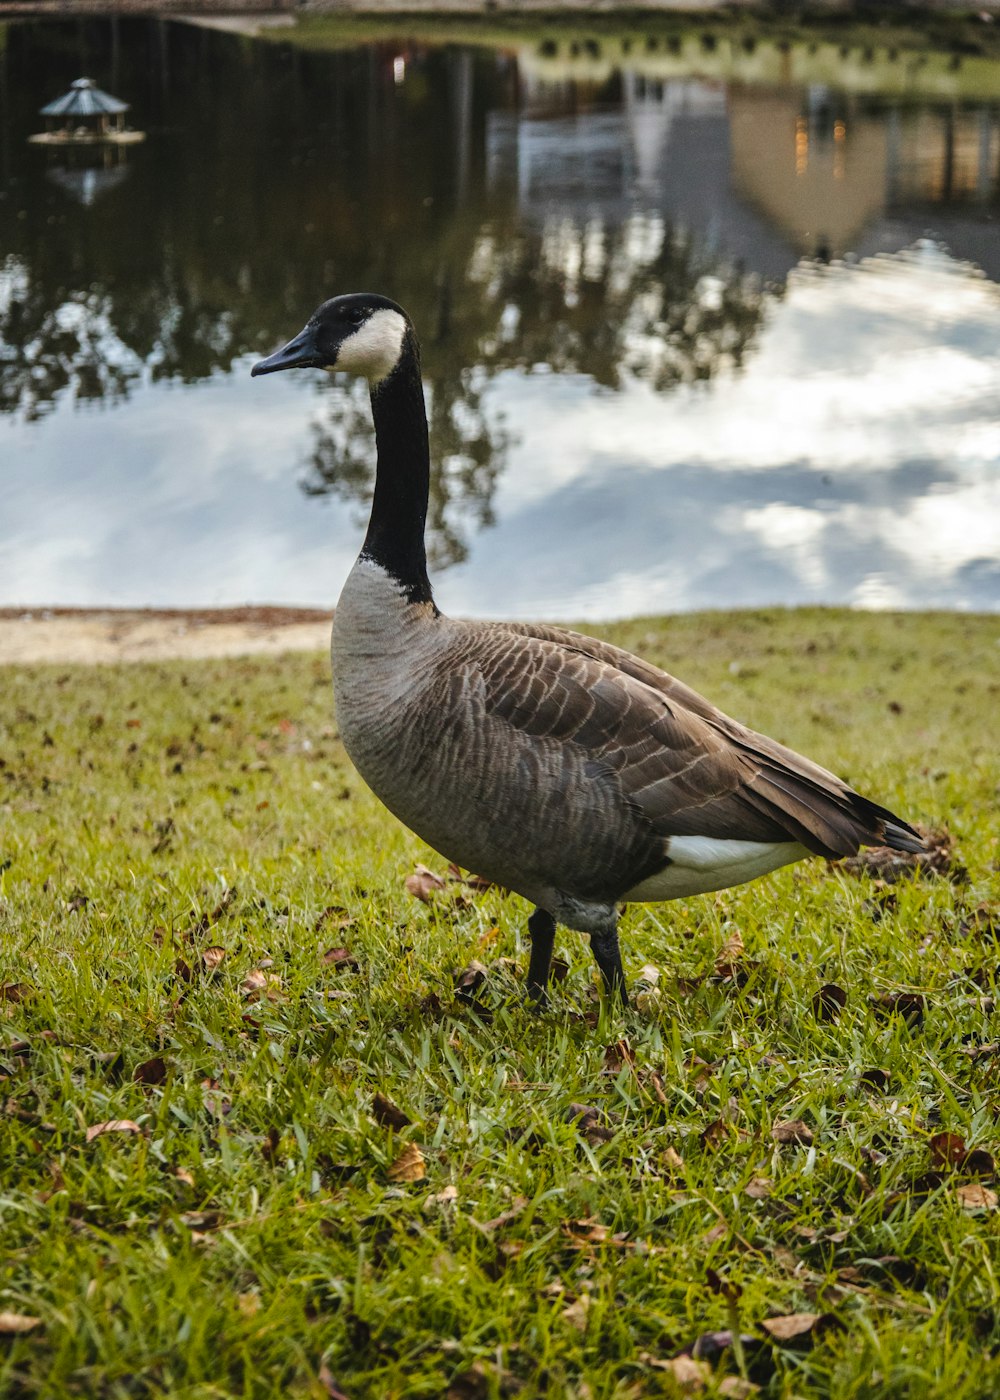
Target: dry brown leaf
{"points": [[979, 1162], [11, 1323], [334, 915], [736, 1388], [211, 958], [446, 1197], [409, 1165], [423, 884], [912, 1006], [948, 1150], [829, 1002], [789, 1326], [588, 1124], [759, 1188], [576, 1313], [113, 1125], [470, 980], [976, 1196], [671, 1160], [182, 1174], [793, 1131], [617, 1056], [342, 959], [727, 960], [688, 1375], [17, 991], [879, 1079], [152, 1071], [254, 981], [387, 1115]]}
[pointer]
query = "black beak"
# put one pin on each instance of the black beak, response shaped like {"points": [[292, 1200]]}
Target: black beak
{"points": [[301, 351]]}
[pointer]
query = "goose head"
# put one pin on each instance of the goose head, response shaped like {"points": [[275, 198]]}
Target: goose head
{"points": [[362, 333]]}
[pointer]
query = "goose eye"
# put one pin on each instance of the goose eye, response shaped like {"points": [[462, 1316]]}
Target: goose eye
{"points": [[356, 316]]}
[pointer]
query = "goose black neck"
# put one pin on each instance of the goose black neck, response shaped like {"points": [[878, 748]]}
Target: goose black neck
{"points": [[395, 538]]}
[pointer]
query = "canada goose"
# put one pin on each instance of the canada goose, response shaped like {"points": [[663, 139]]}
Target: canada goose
{"points": [[556, 765]]}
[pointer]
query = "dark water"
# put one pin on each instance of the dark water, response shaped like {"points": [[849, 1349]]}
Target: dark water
{"points": [[654, 382]]}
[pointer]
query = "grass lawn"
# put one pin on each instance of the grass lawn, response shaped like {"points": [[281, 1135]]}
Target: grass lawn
{"points": [[328, 1174]]}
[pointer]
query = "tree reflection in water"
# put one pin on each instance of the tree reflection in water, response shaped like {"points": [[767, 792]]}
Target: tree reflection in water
{"points": [[272, 175]]}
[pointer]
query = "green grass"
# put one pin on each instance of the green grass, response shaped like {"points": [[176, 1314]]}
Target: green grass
{"points": [[251, 1234]]}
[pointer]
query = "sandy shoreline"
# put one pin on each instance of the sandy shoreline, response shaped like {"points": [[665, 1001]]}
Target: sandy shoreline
{"points": [[154, 634]]}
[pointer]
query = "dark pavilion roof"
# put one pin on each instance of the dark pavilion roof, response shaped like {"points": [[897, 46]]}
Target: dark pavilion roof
{"points": [[84, 100]]}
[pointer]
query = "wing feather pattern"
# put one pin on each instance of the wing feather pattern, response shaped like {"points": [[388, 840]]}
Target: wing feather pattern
{"points": [[683, 767]]}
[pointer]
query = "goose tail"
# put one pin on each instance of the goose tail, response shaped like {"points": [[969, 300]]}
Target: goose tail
{"points": [[892, 831]]}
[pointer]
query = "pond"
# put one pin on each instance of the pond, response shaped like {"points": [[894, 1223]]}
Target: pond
{"points": [[706, 320]]}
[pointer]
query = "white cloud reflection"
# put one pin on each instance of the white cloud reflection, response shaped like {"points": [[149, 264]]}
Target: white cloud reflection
{"points": [[855, 459]]}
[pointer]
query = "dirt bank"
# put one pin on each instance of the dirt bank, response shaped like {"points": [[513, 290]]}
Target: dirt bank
{"points": [[81, 635]]}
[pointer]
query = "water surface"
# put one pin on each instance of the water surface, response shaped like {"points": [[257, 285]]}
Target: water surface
{"points": [[698, 330]]}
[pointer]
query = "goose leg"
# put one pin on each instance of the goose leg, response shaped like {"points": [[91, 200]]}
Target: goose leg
{"points": [[604, 945], [542, 928]]}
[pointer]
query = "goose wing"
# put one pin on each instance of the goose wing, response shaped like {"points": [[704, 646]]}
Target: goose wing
{"points": [[685, 767]]}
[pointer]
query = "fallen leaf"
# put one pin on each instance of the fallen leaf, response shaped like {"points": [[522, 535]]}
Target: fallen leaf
{"points": [[151, 1072], [617, 1056], [948, 1150], [736, 1388], [979, 1162], [558, 970], [758, 1188], [183, 1175], [254, 981], [423, 884], [672, 1160], [211, 958], [877, 1079], [976, 1196], [11, 1323], [336, 916], [342, 959], [17, 991], [726, 1288], [793, 1131], [446, 1197], [790, 1326], [470, 981], [912, 1006], [409, 1165], [387, 1115], [688, 1375], [477, 1383], [829, 1002], [576, 1313], [113, 1125], [588, 1125], [728, 959]]}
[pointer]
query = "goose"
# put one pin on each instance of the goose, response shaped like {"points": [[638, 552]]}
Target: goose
{"points": [[555, 765]]}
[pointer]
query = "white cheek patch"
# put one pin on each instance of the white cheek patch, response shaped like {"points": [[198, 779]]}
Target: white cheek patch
{"points": [[374, 348]]}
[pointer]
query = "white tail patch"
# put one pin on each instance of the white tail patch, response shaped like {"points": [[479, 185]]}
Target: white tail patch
{"points": [[699, 864], [374, 348]]}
